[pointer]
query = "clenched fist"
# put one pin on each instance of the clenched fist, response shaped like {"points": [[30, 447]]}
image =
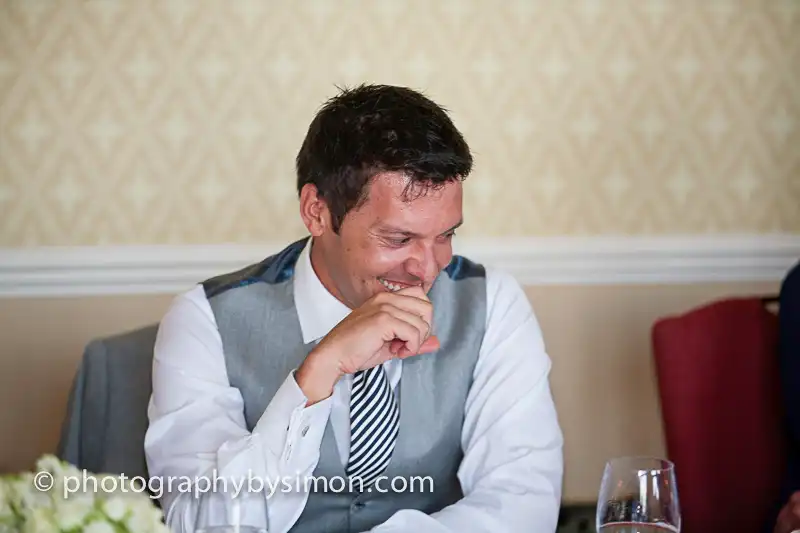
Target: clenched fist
{"points": [[390, 324]]}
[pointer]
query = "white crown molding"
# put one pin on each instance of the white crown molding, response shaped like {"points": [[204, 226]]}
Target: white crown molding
{"points": [[107, 270]]}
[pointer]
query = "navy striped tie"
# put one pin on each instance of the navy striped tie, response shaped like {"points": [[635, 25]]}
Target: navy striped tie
{"points": [[374, 420]]}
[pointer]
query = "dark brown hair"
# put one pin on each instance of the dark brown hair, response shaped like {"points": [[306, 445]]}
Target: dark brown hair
{"points": [[378, 128]]}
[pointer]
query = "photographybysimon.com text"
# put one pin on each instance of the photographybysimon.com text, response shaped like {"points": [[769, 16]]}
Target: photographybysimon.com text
{"points": [[232, 486]]}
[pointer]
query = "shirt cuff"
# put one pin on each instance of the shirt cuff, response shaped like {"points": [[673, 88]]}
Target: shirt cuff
{"points": [[303, 427]]}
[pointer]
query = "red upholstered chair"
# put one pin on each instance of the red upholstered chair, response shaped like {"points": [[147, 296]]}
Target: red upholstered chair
{"points": [[717, 374]]}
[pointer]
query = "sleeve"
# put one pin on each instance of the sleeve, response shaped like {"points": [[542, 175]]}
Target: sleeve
{"points": [[512, 469], [197, 436]]}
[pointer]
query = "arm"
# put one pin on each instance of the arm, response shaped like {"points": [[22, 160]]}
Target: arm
{"points": [[512, 468], [197, 427]]}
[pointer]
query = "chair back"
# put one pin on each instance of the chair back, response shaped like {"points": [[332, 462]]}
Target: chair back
{"points": [[106, 419], [719, 385]]}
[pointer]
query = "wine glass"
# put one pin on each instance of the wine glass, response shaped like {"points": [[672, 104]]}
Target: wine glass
{"points": [[223, 512], [638, 495]]}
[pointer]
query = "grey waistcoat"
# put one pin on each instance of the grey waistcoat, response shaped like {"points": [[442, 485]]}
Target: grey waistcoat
{"points": [[262, 341]]}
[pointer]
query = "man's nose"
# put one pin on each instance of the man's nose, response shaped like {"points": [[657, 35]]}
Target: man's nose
{"points": [[422, 264]]}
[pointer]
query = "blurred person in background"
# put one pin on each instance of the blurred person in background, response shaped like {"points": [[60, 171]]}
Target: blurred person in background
{"points": [[788, 518]]}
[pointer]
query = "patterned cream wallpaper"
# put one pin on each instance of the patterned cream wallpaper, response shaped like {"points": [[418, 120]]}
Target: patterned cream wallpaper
{"points": [[178, 121]]}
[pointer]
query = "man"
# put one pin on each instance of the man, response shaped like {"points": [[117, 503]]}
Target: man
{"points": [[788, 518], [366, 352]]}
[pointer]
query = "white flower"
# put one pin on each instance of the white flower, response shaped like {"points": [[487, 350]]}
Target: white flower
{"points": [[52, 464], [39, 520], [72, 512], [74, 501], [116, 508], [6, 511], [99, 526], [22, 494], [144, 517]]}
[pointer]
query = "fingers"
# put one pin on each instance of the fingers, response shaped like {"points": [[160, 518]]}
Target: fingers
{"points": [[399, 324], [412, 300], [415, 291], [419, 322], [431, 344], [379, 357], [396, 346], [403, 320], [399, 347]]}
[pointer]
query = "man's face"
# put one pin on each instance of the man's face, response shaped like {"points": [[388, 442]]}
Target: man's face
{"points": [[391, 241]]}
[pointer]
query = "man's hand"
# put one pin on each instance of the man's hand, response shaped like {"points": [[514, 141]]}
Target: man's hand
{"points": [[388, 325], [789, 517]]}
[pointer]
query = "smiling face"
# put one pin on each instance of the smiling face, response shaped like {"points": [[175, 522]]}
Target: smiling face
{"points": [[389, 242]]}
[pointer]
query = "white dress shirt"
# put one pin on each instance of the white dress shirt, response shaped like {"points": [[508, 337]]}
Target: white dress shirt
{"points": [[511, 474]]}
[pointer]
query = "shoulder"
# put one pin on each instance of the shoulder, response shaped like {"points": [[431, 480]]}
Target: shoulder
{"points": [[462, 268], [513, 350], [275, 269], [190, 305], [506, 299], [188, 321]]}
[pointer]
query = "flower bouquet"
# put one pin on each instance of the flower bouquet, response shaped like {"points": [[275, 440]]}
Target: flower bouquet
{"points": [[61, 498]]}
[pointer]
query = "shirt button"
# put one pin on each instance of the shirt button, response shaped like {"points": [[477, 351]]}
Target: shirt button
{"points": [[305, 430], [358, 506]]}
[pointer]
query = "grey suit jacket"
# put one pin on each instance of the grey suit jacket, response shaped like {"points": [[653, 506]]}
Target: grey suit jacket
{"points": [[106, 419]]}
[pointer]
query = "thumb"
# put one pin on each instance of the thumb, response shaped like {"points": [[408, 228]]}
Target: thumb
{"points": [[431, 344]]}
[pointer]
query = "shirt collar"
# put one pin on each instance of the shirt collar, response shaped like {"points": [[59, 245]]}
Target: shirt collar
{"points": [[318, 310]]}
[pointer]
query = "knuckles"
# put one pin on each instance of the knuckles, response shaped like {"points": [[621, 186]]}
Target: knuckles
{"points": [[384, 316], [385, 307]]}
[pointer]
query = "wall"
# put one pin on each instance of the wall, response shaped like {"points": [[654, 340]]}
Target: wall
{"points": [[173, 123], [177, 122], [598, 338]]}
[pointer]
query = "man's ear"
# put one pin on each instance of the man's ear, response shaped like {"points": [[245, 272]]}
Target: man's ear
{"points": [[314, 211]]}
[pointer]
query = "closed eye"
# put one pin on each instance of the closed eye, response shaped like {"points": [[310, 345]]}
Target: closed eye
{"points": [[402, 241], [398, 241]]}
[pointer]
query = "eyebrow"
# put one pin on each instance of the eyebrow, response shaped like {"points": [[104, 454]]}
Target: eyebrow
{"points": [[383, 228]]}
